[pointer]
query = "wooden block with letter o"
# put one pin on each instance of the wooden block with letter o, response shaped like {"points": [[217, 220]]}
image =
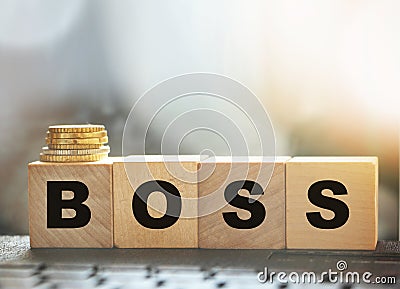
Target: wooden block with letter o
{"points": [[70, 204], [155, 202], [242, 203], [332, 203]]}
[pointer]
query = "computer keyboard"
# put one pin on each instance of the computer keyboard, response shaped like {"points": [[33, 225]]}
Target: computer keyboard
{"points": [[22, 267], [68, 276]]}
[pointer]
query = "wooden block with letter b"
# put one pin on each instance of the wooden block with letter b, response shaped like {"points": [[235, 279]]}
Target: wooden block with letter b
{"points": [[155, 202], [70, 204], [332, 203], [242, 203]]}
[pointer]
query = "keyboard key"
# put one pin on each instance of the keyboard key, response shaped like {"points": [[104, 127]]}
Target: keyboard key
{"points": [[44, 286], [18, 270], [143, 284], [19, 282], [178, 268], [122, 274], [74, 284], [108, 286], [201, 285], [68, 272], [195, 276]]}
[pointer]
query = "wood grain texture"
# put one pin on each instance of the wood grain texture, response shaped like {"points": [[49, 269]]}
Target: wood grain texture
{"points": [[128, 232], [97, 176], [214, 232], [360, 177]]}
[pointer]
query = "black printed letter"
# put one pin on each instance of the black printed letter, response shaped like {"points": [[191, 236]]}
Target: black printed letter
{"points": [[174, 204], [55, 204], [337, 206], [256, 209]]}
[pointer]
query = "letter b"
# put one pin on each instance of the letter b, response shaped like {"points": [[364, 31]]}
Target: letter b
{"points": [[55, 204]]}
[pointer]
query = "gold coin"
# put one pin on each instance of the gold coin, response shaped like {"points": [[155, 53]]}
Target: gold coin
{"points": [[96, 134], [76, 152], [71, 141], [76, 128], [70, 159], [73, 146]]}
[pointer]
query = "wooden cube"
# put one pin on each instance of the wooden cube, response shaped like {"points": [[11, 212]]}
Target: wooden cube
{"points": [[332, 203], [70, 204], [256, 224], [154, 199]]}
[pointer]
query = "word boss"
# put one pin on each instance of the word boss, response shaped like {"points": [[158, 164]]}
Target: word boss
{"points": [[218, 202]]}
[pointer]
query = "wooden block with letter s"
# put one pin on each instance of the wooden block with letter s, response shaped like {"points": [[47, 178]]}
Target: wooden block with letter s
{"points": [[332, 203], [242, 203], [70, 204], [155, 202]]}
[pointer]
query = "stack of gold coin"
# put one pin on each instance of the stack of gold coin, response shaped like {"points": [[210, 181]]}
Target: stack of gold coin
{"points": [[75, 143]]}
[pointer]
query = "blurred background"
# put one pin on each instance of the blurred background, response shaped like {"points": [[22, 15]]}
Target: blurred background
{"points": [[328, 72]]}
